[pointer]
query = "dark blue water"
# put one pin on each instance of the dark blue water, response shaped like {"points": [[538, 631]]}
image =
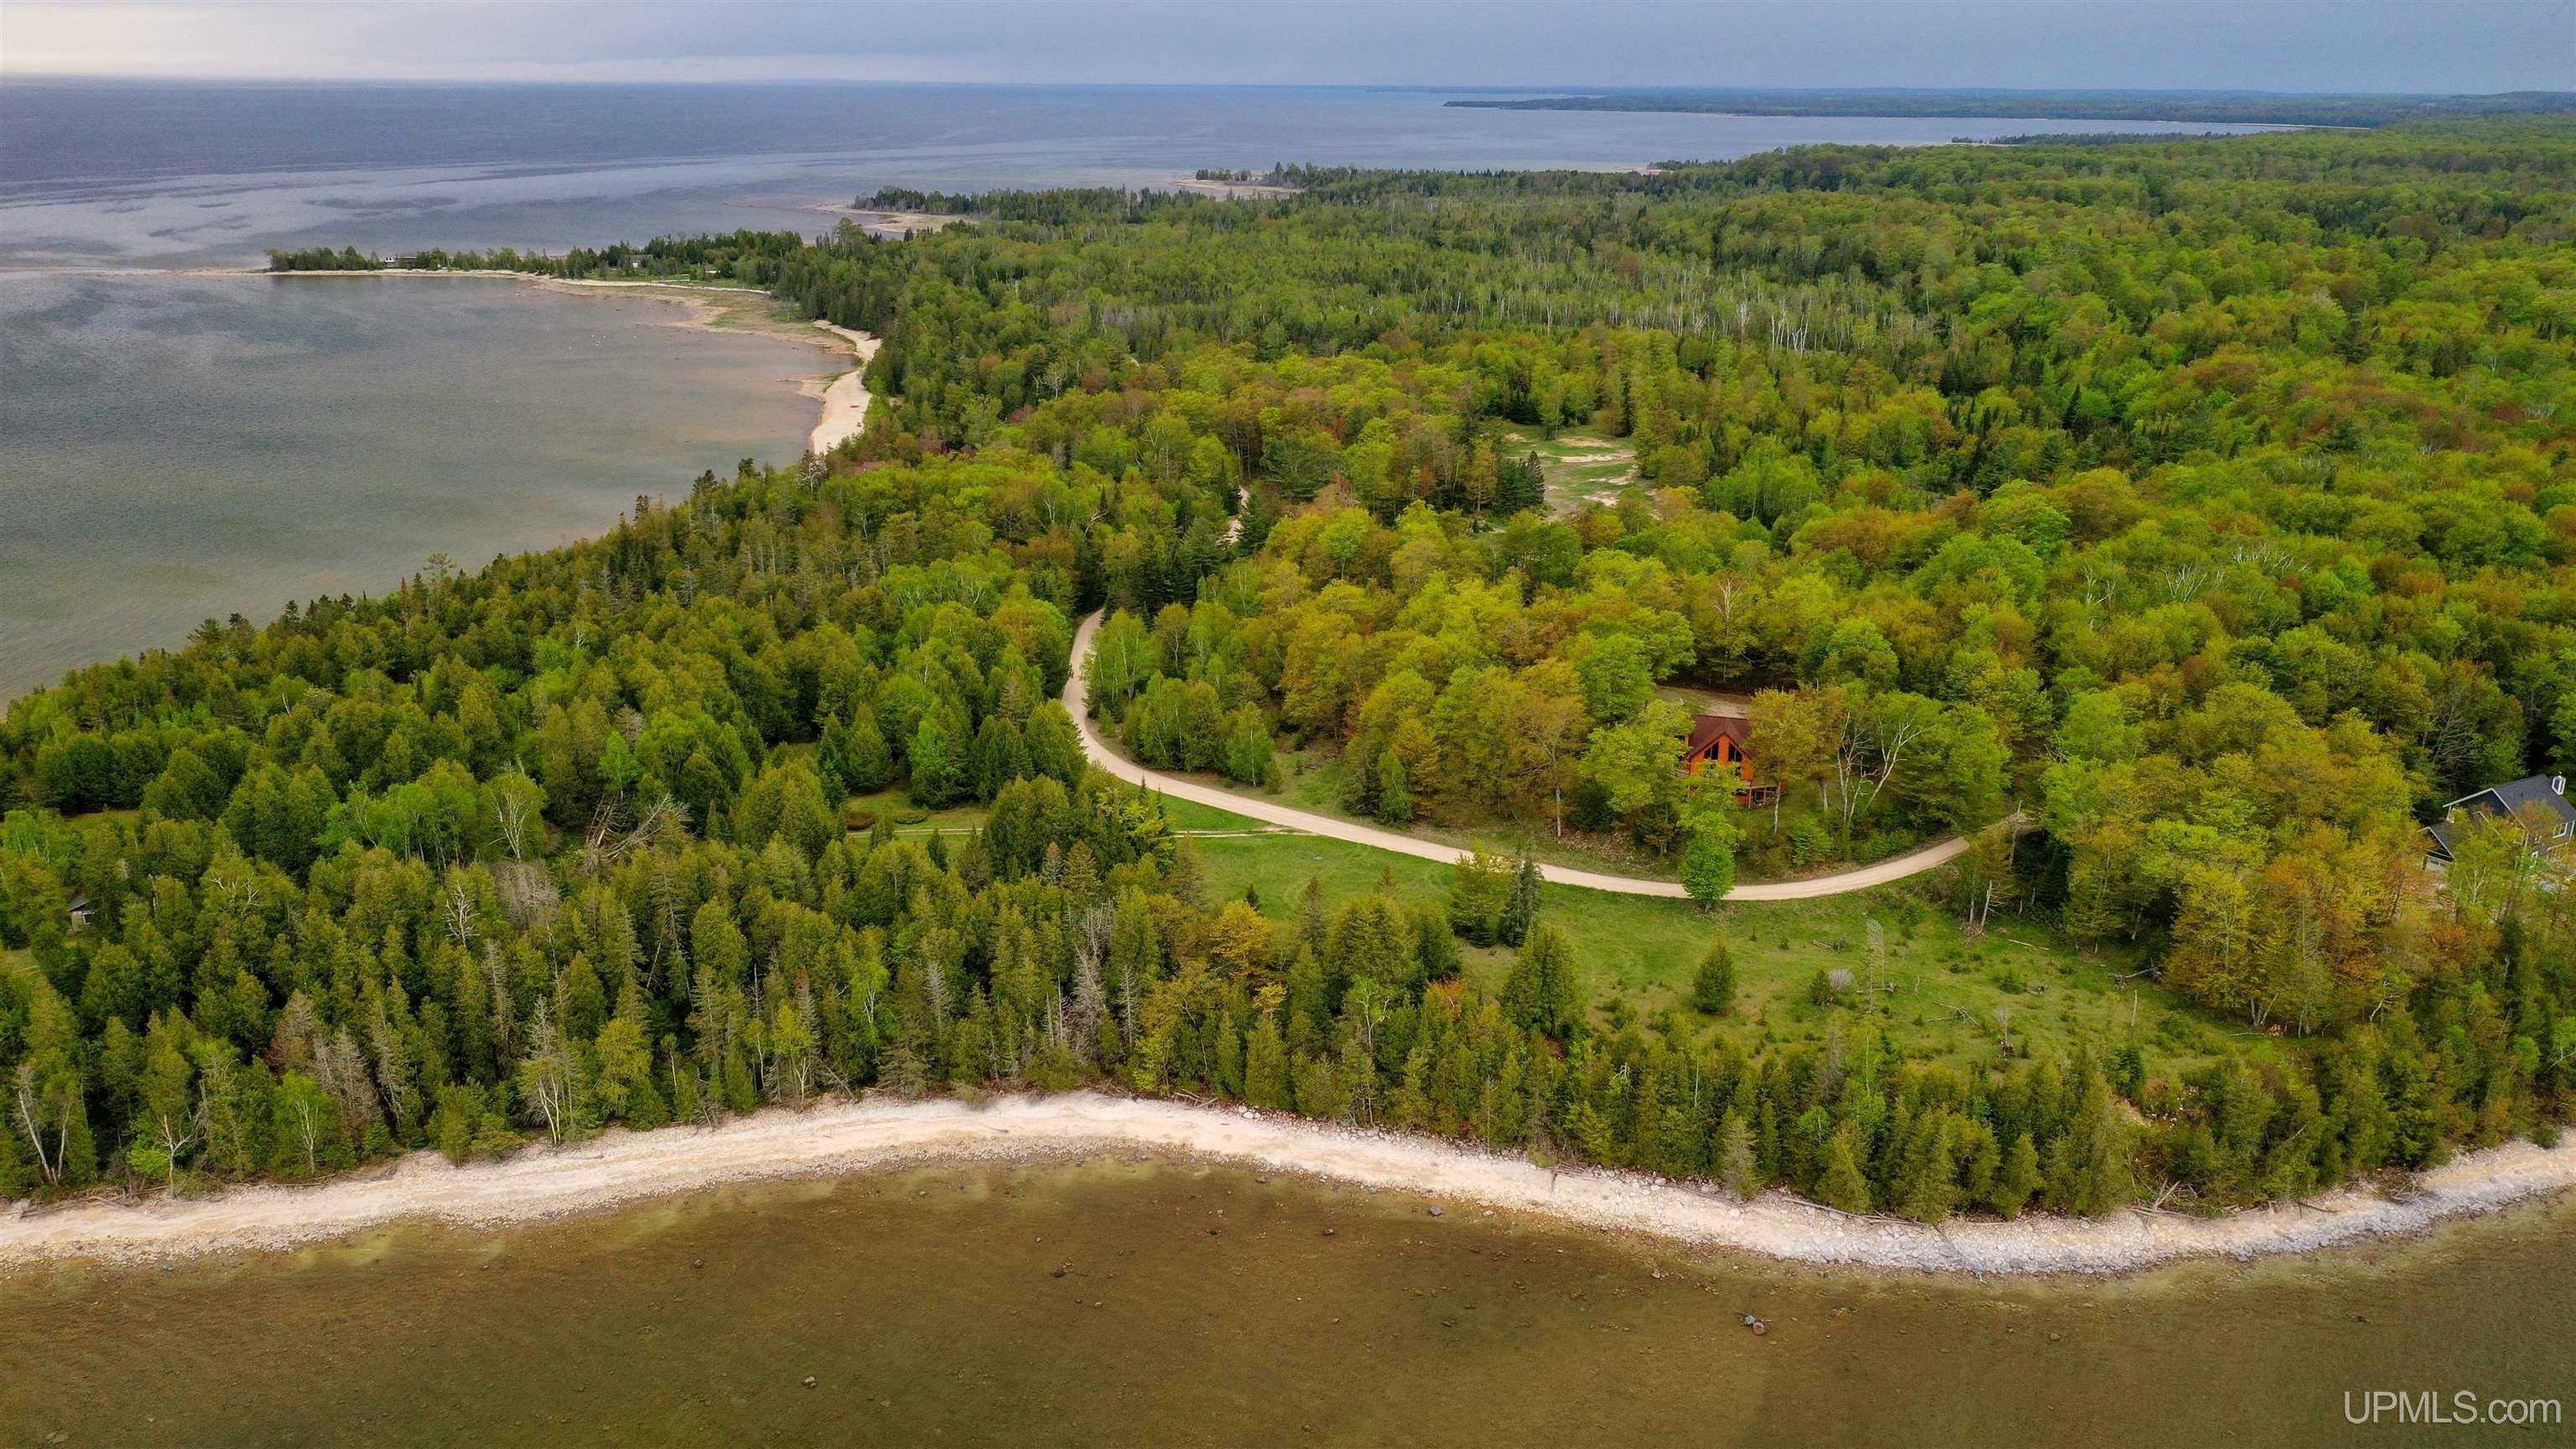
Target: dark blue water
{"points": [[159, 174]]}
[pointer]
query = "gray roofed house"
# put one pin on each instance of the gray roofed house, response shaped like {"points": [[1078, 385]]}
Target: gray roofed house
{"points": [[2541, 799]]}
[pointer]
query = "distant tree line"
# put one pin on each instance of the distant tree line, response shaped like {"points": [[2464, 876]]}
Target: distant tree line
{"points": [[2225, 107]]}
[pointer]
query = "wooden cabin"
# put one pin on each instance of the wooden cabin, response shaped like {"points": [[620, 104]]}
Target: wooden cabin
{"points": [[1724, 743]]}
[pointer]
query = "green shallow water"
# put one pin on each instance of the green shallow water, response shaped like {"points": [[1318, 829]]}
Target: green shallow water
{"points": [[177, 448], [1208, 1306]]}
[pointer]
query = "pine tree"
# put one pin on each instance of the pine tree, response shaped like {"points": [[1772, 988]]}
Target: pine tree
{"points": [[2019, 1180], [1265, 1067], [17, 1177], [1713, 987], [1394, 795], [1842, 1185], [1520, 908], [1541, 993], [1229, 1059], [855, 753], [1181, 878], [1735, 1165], [1321, 1090], [1438, 948], [1312, 923], [1930, 1185], [1985, 1162], [2090, 1163], [939, 773]]}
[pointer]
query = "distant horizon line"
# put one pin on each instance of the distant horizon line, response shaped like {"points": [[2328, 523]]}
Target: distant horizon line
{"points": [[1431, 87]]}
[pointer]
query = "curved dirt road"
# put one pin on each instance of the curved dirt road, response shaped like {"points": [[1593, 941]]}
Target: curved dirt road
{"points": [[1077, 693]]}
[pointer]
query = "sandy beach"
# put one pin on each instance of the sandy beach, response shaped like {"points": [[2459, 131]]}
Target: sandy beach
{"points": [[893, 225], [1233, 190], [843, 397], [843, 1136]]}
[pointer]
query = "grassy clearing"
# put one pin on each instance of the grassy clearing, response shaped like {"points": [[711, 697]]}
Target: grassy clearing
{"points": [[1184, 816], [1941, 993], [1311, 780], [1190, 816], [1579, 468], [730, 309], [956, 820], [1938, 996]]}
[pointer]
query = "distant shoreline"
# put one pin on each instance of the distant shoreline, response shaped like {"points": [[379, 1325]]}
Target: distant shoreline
{"points": [[840, 1137], [2334, 110], [1567, 103]]}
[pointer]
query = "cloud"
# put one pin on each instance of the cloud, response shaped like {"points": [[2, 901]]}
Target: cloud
{"points": [[2383, 45]]}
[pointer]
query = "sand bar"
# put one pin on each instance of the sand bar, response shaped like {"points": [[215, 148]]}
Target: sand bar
{"points": [[845, 398]]}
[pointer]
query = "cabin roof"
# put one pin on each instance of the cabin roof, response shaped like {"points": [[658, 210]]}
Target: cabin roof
{"points": [[2545, 792], [1708, 729]]}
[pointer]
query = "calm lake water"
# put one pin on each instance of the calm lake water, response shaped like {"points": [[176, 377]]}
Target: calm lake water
{"points": [[173, 449], [1117, 1302], [158, 173]]}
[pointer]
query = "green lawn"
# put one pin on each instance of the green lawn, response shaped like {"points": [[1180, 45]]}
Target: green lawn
{"points": [[1579, 468], [1311, 780], [1938, 996], [1185, 816]]}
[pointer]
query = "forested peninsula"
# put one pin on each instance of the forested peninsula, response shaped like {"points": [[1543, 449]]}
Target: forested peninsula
{"points": [[2210, 503], [2244, 108]]}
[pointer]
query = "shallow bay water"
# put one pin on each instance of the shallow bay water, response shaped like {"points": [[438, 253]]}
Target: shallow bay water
{"points": [[174, 449], [1156, 1303]]}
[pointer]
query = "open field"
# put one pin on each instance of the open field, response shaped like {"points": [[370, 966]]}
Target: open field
{"points": [[1579, 468], [1938, 995], [955, 820]]}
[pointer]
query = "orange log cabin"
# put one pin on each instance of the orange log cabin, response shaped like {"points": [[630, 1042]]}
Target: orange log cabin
{"points": [[1725, 742]]}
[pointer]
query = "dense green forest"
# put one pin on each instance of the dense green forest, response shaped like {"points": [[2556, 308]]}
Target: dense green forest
{"points": [[2211, 502]]}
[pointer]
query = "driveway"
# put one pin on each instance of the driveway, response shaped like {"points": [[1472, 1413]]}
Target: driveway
{"points": [[1077, 703]]}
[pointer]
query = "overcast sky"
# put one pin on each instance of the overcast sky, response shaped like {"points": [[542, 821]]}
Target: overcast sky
{"points": [[2296, 45]]}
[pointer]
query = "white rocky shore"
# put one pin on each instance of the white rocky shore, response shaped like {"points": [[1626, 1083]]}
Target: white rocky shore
{"points": [[844, 1137]]}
